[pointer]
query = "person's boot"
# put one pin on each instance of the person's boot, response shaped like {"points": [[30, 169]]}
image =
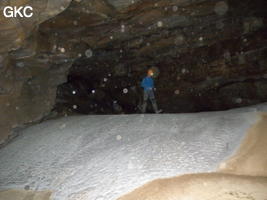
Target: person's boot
{"points": [[155, 107], [158, 111], [144, 107]]}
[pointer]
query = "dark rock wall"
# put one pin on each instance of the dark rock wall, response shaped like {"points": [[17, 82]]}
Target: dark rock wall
{"points": [[208, 55], [211, 55], [29, 73]]}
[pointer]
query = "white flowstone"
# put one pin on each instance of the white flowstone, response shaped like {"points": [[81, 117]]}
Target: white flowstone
{"points": [[86, 159]]}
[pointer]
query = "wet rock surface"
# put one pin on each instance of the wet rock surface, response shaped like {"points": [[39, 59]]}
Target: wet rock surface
{"points": [[89, 56]]}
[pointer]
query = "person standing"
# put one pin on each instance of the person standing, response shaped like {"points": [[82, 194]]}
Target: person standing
{"points": [[148, 85]]}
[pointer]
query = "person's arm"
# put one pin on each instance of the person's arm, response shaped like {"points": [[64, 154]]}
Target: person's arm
{"points": [[152, 84], [143, 83]]}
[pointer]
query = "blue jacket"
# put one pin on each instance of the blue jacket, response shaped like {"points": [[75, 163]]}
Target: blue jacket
{"points": [[147, 83]]}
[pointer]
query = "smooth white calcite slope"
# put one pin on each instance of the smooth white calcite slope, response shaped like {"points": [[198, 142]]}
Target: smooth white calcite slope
{"points": [[104, 157]]}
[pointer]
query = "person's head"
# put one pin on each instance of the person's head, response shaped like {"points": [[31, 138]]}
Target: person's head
{"points": [[150, 72]]}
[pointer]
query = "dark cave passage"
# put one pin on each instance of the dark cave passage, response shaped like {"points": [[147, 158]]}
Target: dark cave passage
{"points": [[196, 83], [97, 88], [210, 56]]}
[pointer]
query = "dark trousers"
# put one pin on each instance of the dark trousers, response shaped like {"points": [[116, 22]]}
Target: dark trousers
{"points": [[149, 95]]}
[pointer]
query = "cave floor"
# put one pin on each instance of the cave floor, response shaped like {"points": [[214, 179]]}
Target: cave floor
{"points": [[104, 157], [24, 195]]}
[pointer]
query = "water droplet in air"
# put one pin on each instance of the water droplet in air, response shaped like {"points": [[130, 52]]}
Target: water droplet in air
{"points": [[88, 53], [179, 40], [118, 137], [20, 64], [62, 50], [177, 92], [221, 8], [160, 23], [125, 90], [175, 8], [238, 100]]}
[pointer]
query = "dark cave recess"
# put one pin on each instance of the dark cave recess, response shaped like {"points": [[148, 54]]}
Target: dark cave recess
{"points": [[211, 56], [204, 79]]}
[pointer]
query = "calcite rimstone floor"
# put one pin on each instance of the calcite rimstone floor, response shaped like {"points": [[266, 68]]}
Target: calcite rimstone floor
{"points": [[104, 157]]}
